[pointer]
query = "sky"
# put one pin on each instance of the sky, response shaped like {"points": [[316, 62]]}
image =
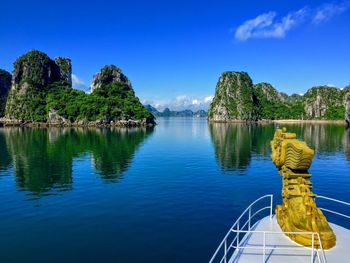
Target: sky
{"points": [[174, 51]]}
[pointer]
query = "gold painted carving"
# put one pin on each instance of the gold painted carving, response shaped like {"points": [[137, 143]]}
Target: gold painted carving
{"points": [[298, 211]]}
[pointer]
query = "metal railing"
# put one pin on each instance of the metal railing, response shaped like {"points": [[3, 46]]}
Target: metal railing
{"points": [[232, 241], [319, 252], [336, 201], [227, 245]]}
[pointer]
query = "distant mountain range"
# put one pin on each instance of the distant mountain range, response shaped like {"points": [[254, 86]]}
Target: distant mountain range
{"points": [[169, 113]]}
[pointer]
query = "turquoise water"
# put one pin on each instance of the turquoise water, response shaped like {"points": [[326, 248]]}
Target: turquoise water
{"points": [[167, 194]]}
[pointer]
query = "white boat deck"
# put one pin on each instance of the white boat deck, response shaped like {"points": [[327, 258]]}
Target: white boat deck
{"points": [[340, 253]]}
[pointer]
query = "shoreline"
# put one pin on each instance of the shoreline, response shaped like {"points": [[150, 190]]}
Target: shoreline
{"points": [[91, 124], [283, 121], [143, 123], [311, 121]]}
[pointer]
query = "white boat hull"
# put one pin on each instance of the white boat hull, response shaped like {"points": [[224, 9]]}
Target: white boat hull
{"points": [[284, 249]]}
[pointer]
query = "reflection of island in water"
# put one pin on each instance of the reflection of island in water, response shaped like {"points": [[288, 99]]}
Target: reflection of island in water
{"points": [[42, 158], [346, 144], [235, 143], [5, 159], [232, 143]]}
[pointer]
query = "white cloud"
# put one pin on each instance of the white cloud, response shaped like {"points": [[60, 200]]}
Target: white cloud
{"points": [[267, 25], [78, 83], [208, 99], [250, 27], [182, 102], [331, 85], [195, 102], [327, 11]]}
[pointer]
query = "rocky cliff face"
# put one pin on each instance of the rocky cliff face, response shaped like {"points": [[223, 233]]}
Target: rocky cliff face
{"points": [[108, 75], [322, 102], [63, 68], [5, 85], [268, 92], [347, 104], [38, 70], [237, 99], [268, 102], [32, 74], [233, 98]]}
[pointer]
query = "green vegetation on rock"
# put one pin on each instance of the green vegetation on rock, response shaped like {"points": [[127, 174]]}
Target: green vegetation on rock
{"points": [[5, 85], [346, 92], [33, 74], [263, 102], [233, 98], [324, 102], [42, 92], [271, 104], [112, 102]]}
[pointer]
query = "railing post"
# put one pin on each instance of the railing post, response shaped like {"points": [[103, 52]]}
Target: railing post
{"points": [[250, 215], [238, 235], [321, 248], [225, 248], [312, 247], [264, 244], [271, 204]]}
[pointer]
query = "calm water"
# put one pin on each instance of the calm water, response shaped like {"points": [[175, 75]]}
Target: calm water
{"points": [[167, 194]]}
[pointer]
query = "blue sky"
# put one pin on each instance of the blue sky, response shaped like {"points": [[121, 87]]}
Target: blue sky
{"points": [[174, 51]]}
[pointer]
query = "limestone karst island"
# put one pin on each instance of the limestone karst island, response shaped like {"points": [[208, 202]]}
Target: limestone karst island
{"points": [[238, 99], [41, 93], [175, 131]]}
